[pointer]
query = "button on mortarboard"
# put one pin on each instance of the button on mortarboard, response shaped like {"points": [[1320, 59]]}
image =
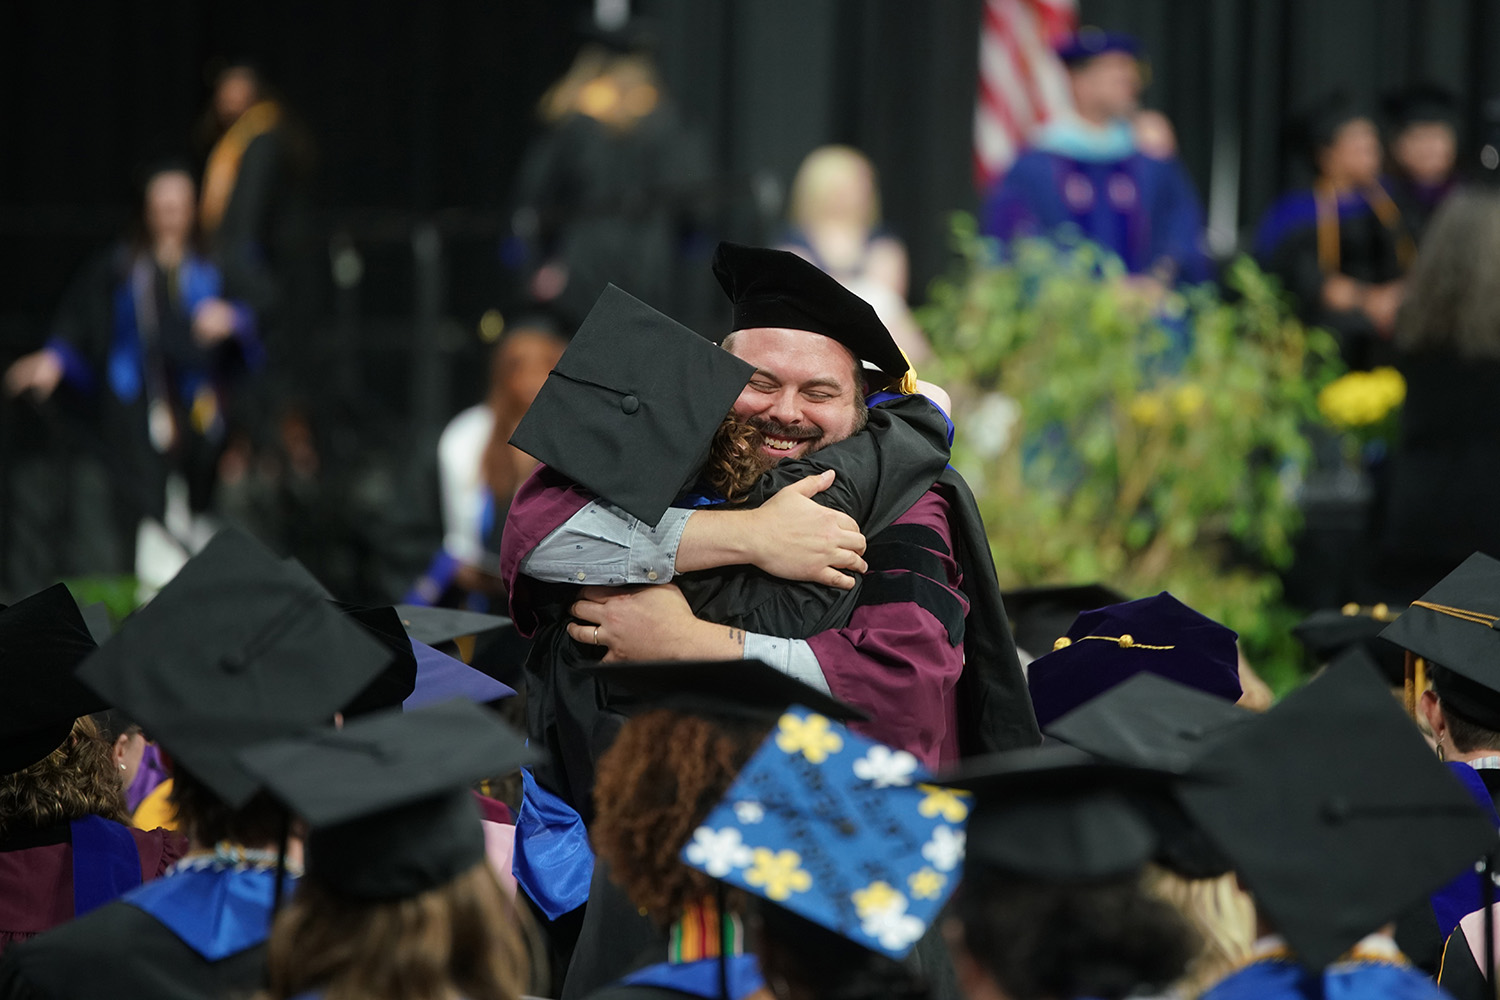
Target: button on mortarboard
{"points": [[286, 660], [43, 638], [1334, 812], [629, 360], [387, 797]]}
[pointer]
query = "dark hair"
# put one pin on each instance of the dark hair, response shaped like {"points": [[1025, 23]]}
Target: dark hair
{"points": [[810, 961], [660, 778], [1044, 940], [208, 819], [113, 724]]}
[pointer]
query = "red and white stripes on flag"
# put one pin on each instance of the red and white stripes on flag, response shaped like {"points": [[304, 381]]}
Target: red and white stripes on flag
{"points": [[1022, 83]]}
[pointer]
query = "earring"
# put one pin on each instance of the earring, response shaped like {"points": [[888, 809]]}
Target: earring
{"points": [[1439, 748], [122, 767]]}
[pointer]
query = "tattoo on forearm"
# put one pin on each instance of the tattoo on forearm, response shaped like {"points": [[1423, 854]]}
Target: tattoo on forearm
{"points": [[738, 635]]}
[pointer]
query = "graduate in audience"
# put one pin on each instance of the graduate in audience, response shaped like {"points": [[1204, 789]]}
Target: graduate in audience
{"points": [[398, 900], [66, 846], [237, 649]]}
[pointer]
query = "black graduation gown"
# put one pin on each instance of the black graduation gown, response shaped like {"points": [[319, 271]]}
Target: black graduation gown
{"points": [[122, 952]]}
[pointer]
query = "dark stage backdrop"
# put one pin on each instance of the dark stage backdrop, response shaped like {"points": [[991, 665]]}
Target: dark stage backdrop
{"points": [[421, 110]]}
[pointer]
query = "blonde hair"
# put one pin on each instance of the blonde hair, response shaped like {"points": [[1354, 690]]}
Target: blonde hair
{"points": [[77, 779], [824, 171], [461, 939], [1224, 917]]}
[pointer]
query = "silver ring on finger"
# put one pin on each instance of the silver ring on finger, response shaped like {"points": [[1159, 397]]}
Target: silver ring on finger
{"points": [[596, 635]]}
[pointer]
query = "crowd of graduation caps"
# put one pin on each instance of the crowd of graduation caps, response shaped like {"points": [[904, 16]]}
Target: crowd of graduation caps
{"points": [[1162, 841]]}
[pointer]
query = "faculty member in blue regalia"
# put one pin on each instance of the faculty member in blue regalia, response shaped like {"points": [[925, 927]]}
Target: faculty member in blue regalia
{"points": [[1084, 170], [1341, 247]]}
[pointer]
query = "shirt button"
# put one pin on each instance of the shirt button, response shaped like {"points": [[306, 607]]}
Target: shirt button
{"points": [[651, 574], [582, 575]]}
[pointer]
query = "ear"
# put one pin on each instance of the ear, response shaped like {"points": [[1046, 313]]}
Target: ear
{"points": [[1432, 711], [117, 752]]}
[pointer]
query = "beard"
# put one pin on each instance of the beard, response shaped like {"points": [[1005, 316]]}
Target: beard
{"points": [[771, 428]]}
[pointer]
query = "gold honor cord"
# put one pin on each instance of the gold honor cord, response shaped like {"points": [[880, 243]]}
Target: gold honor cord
{"points": [[1126, 641]]}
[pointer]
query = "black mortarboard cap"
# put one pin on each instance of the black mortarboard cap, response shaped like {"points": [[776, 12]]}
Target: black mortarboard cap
{"points": [[1333, 631], [1334, 812], [1456, 626], [387, 797], [439, 625], [97, 619], [1055, 813], [236, 649], [777, 288], [1151, 722], [1320, 122], [1039, 615], [631, 409], [395, 683], [1421, 102], [43, 638], [715, 688]]}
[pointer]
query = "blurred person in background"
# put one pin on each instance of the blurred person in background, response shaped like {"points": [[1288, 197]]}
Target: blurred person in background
{"points": [[1341, 247], [834, 222], [611, 189], [147, 343], [1423, 152], [1443, 484], [1086, 170], [479, 470]]}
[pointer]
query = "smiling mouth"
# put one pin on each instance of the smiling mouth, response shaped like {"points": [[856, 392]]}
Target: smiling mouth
{"points": [[783, 445]]}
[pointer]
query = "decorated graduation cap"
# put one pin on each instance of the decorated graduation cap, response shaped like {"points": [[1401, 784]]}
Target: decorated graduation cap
{"points": [[714, 688], [631, 409], [43, 638], [441, 677], [1456, 626], [1158, 635], [1318, 803], [236, 649], [777, 288], [1089, 41], [838, 830], [388, 797], [1054, 813], [1040, 614], [1151, 722], [1353, 631]]}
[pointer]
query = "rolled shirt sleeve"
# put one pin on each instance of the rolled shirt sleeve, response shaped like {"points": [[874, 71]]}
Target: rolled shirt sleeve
{"points": [[603, 545], [793, 657]]}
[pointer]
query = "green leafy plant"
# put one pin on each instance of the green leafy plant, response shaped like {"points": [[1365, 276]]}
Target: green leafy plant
{"points": [[1116, 433]]}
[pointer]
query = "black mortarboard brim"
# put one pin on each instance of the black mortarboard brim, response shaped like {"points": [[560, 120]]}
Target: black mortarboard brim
{"points": [[1456, 625], [97, 620], [236, 649], [715, 688], [632, 407], [1040, 614], [1332, 631], [1422, 102], [439, 625], [1054, 813], [1151, 722], [296, 566], [387, 797], [777, 288], [395, 683], [1334, 812], [43, 638]]}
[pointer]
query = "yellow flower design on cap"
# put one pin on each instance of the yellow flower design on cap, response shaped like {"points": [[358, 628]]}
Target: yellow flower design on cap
{"points": [[779, 873], [925, 883], [874, 898], [952, 805], [810, 737]]}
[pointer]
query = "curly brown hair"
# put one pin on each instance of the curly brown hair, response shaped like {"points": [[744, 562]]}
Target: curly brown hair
{"points": [[461, 939], [653, 786], [734, 460], [77, 779]]}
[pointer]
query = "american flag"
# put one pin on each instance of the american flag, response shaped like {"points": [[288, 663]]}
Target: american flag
{"points": [[1021, 81]]}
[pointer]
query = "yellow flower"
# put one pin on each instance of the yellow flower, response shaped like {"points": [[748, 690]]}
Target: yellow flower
{"points": [[925, 884], [1147, 409], [952, 805], [873, 898], [780, 873], [1359, 399], [810, 737], [1189, 399]]}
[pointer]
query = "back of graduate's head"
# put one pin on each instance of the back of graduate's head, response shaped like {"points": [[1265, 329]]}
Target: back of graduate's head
{"points": [[75, 780], [461, 938], [1018, 938], [653, 787], [207, 819], [804, 961]]}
